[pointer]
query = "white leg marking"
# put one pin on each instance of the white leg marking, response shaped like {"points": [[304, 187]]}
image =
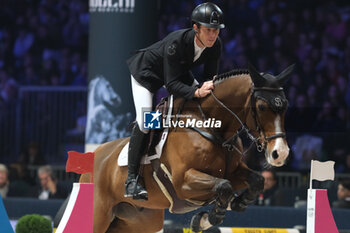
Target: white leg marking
{"points": [[204, 223]]}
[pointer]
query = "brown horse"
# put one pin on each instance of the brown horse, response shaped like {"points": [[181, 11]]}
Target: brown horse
{"points": [[205, 165]]}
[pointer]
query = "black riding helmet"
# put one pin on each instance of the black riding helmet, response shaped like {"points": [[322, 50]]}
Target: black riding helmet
{"points": [[209, 15]]}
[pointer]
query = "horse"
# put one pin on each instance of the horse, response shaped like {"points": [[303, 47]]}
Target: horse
{"points": [[102, 122], [205, 166]]}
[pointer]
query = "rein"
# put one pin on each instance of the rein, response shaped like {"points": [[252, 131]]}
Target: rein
{"points": [[229, 144]]}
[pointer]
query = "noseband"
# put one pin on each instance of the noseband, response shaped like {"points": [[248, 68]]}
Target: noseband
{"points": [[229, 143]]}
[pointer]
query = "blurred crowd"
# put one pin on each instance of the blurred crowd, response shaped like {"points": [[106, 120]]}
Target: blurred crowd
{"points": [[45, 42], [42, 42], [16, 181]]}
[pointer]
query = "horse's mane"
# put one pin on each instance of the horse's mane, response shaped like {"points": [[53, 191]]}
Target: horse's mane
{"points": [[231, 74]]}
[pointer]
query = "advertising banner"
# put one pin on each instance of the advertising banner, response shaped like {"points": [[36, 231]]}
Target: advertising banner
{"points": [[117, 29]]}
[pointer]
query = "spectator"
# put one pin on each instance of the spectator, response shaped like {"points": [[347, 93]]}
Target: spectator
{"points": [[271, 196], [9, 188], [23, 42], [20, 181], [300, 111], [9, 92], [306, 148], [313, 97], [32, 155], [50, 187], [343, 195], [347, 164], [4, 181]]}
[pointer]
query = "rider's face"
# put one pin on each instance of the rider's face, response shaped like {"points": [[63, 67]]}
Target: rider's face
{"points": [[206, 35]]}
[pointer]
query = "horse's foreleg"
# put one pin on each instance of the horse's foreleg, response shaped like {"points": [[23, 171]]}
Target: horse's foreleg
{"points": [[254, 182], [199, 184]]}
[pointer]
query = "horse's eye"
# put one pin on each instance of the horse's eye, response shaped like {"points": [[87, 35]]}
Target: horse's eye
{"points": [[261, 107]]}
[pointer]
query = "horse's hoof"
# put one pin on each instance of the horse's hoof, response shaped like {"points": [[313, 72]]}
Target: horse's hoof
{"points": [[238, 205], [224, 192], [196, 222], [217, 216]]}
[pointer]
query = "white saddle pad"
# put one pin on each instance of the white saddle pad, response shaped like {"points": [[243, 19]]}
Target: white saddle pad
{"points": [[123, 156]]}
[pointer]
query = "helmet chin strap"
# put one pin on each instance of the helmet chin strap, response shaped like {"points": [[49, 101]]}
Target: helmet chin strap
{"points": [[198, 38]]}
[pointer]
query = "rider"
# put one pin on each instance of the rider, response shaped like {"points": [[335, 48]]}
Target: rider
{"points": [[168, 62]]}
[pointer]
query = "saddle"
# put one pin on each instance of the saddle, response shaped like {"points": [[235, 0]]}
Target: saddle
{"points": [[155, 139], [160, 172]]}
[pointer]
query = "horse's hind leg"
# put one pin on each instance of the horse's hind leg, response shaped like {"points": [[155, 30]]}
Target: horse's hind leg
{"points": [[132, 219]]}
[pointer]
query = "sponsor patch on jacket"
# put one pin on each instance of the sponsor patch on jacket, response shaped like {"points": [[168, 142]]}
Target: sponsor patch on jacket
{"points": [[171, 49]]}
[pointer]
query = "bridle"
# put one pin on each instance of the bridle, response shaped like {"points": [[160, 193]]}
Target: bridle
{"points": [[229, 143], [256, 119]]}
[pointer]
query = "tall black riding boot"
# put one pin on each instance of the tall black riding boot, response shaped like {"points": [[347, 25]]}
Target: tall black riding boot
{"points": [[137, 145]]}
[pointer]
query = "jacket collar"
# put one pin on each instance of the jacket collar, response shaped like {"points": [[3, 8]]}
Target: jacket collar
{"points": [[189, 38]]}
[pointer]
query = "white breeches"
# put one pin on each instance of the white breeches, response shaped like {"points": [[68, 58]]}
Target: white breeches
{"points": [[143, 101]]}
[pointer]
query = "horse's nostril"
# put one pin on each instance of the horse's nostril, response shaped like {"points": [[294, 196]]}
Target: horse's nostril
{"points": [[274, 154]]}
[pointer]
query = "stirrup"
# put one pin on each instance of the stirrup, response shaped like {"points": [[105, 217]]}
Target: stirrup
{"points": [[135, 190]]}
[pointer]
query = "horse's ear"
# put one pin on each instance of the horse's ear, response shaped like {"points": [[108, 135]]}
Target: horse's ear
{"points": [[285, 74], [257, 79]]}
